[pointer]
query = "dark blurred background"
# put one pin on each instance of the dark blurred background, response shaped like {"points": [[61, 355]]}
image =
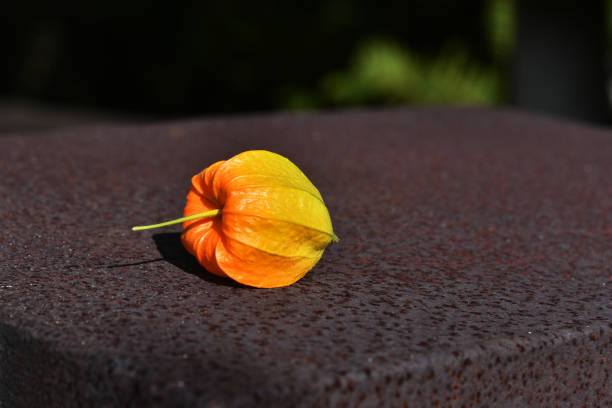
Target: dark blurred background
{"points": [[141, 60]]}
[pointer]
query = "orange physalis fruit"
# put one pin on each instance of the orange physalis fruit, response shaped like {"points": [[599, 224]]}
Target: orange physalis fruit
{"points": [[257, 219]]}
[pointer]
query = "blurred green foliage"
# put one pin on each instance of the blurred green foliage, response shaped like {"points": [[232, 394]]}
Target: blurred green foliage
{"points": [[193, 58], [500, 20], [382, 72]]}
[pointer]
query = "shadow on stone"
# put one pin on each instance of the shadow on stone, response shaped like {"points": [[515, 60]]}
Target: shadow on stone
{"points": [[134, 263], [172, 250]]}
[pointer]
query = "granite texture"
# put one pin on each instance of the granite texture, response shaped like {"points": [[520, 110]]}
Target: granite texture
{"points": [[474, 267]]}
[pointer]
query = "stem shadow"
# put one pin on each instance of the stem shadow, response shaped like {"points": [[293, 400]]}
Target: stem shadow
{"points": [[172, 250], [123, 265]]}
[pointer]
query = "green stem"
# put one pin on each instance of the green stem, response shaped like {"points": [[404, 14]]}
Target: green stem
{"points": [[335, 238], [205, 214]]}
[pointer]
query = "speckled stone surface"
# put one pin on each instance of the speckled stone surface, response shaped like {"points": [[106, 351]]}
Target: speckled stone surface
{"points": [[474, 267]]}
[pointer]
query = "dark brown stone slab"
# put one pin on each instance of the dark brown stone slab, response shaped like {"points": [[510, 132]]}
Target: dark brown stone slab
{"points": [[474, 267]]}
